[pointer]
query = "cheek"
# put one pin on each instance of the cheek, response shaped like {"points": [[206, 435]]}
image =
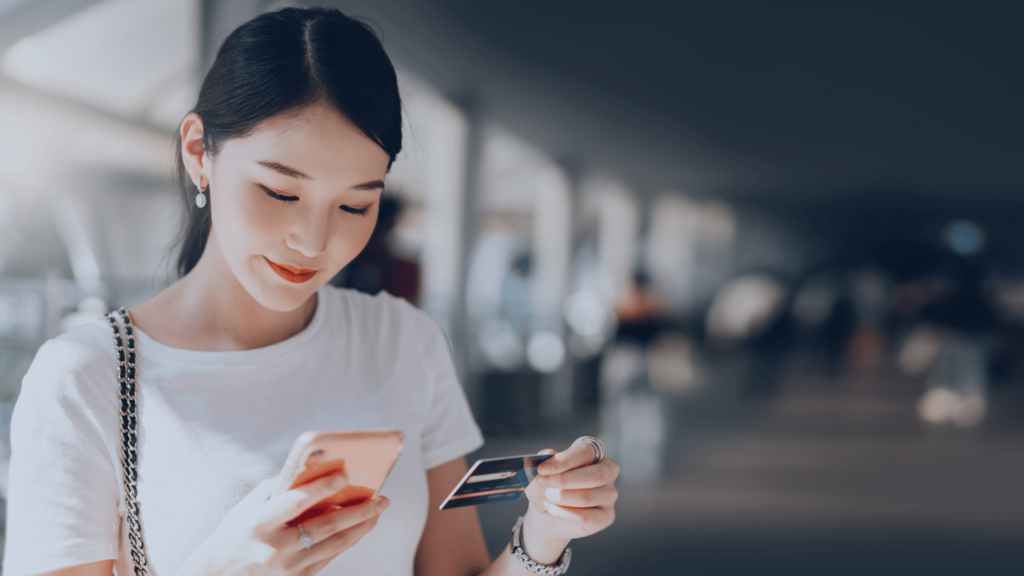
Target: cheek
{"points": [[251, 225], [349, 238]]}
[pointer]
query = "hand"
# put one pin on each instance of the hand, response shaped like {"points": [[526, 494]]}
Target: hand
{"points": [[569, 498], [253, 538]]}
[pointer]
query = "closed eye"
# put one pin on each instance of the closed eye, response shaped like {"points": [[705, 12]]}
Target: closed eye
{"points": [[356, 211], [277, 196], [283, 198]]}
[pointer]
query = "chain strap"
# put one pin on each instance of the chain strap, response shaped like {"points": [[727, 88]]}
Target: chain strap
{"points": [[520, 553], [129, 425]]}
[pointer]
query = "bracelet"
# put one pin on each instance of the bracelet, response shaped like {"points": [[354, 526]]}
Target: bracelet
{"points": [[529, 564]]}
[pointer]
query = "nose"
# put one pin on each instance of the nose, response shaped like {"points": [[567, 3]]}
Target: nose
{"points": [[309, 236]]}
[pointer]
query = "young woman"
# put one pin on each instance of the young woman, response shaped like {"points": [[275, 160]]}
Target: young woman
{"points": [[282, 163]]}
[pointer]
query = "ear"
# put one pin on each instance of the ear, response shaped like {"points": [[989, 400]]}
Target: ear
{"points": [[193, 150]]}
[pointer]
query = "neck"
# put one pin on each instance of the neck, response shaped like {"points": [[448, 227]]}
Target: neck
{"points": [[210, 310]]}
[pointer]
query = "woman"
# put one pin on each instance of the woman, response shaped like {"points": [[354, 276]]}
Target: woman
{"points": [[296, 125]]}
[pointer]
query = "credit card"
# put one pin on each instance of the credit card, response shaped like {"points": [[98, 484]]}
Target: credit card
{"points": [[495, 480]]}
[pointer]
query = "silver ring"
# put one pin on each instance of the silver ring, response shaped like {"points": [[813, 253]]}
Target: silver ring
{"points": [[597, 444], [306, 541]]}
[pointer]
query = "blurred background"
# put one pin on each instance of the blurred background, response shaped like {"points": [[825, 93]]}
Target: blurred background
{"points": [[772, 253]]}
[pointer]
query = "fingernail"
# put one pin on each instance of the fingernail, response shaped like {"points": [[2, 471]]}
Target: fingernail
{"points": [[551, 493], [383, 504]]}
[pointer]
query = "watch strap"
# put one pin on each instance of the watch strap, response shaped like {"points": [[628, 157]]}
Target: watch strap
{"points": [[519, 552]]}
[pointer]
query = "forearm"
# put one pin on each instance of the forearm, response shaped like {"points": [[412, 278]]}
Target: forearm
{"points": [[540, 549], [573, 497]]}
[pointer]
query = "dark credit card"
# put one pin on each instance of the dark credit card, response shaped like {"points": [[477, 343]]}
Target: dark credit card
{"points": [[495, 480]]}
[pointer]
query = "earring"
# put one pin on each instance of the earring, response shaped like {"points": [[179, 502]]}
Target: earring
{"points": [[200, 198]]}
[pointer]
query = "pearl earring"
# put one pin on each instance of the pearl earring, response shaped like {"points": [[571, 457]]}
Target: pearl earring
{"points": [[200, 198]]}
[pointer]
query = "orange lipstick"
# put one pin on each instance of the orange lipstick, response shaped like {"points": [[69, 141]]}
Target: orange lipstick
{"points": [[290, 273]]}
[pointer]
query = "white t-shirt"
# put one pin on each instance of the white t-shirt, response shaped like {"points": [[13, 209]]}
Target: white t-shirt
{"points": [[215, 424]]}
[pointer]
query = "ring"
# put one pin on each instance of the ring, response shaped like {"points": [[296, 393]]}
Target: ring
{"points": [[596, 443], [306, 541]]}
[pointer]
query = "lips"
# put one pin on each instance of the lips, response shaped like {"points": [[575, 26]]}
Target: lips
{"points": [[290, 273]]}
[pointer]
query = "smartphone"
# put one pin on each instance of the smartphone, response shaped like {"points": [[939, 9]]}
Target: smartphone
{"points": [[495, 480], [366, 456]]}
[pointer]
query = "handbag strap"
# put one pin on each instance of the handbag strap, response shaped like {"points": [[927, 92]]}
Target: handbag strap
{"points": [[125, 341]]}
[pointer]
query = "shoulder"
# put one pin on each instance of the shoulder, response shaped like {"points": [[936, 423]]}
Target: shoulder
{"points": [[86, 348], [75, 367]]}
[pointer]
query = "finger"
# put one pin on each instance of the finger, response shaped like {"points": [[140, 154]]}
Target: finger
{"points": [[261, 492], [323, 527], [289, 504], [592, 476], [579, 516], [579, 454], [587, 498], [342, 541], [317, 567]]}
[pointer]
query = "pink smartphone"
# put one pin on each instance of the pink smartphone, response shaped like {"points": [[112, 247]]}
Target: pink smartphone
{"points": [[366, 456]]}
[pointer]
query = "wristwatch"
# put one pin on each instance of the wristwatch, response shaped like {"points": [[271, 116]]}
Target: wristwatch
{"points": [[518, 551]]}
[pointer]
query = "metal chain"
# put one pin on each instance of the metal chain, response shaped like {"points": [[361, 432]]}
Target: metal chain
{"points": [[129, 425], [520, 553]]}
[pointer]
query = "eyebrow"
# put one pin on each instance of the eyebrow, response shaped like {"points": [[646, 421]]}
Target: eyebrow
{"points": [[293, 173], [282, 169]]}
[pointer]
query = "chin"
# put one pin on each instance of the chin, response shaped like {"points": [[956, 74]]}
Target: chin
{"points": [[280, 296]]}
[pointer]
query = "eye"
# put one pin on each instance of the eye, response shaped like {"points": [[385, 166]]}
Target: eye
{"points": [[277, 196], [356, 211]]}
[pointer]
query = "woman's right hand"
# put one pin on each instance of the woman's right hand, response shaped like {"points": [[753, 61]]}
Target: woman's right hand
{"points": [[253, 538]]}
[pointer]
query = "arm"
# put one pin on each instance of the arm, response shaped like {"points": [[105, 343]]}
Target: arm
{"points": [[101, 568], [62, 500], [570, 498], [453, 542]]}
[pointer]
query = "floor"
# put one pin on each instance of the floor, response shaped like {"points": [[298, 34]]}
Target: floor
{"points": [[831, 476]]}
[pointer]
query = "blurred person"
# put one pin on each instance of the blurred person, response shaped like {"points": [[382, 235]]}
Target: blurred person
{"points": [[868, 344], [922, 338], [376, 268], [920, 349], [744, 308], [639, 312], [823, 311], [1007, 337], [748, 319], [957, 383], [297, 123], [671, 364]]}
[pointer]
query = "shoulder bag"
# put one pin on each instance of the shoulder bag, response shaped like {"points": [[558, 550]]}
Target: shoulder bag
{"points": [[124, 338]]}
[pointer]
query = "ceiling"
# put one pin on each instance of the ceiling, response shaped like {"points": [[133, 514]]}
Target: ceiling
{"points": [[801, 101], [796, 102]]}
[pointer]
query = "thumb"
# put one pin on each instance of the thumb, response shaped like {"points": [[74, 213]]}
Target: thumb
{"points": [[261, 492], [547, 451]]}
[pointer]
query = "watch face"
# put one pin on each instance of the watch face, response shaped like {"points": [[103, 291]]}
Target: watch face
{"points": [[495, 480]]}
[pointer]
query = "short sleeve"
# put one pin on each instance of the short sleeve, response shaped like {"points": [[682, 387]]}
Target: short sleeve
{"points": [[63, 491], [450, 430]]}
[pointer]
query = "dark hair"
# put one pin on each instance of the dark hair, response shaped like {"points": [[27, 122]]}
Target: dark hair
{"points": [[286, 60]]}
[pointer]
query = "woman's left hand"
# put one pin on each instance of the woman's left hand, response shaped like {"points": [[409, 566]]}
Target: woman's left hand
{"points": [[571, 497]]}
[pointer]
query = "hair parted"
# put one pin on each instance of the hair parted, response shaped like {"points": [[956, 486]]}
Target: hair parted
{"points": [[281, 61]]}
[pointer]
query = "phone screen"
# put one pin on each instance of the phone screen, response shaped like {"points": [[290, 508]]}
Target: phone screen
{"points": [[366, 457]]}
